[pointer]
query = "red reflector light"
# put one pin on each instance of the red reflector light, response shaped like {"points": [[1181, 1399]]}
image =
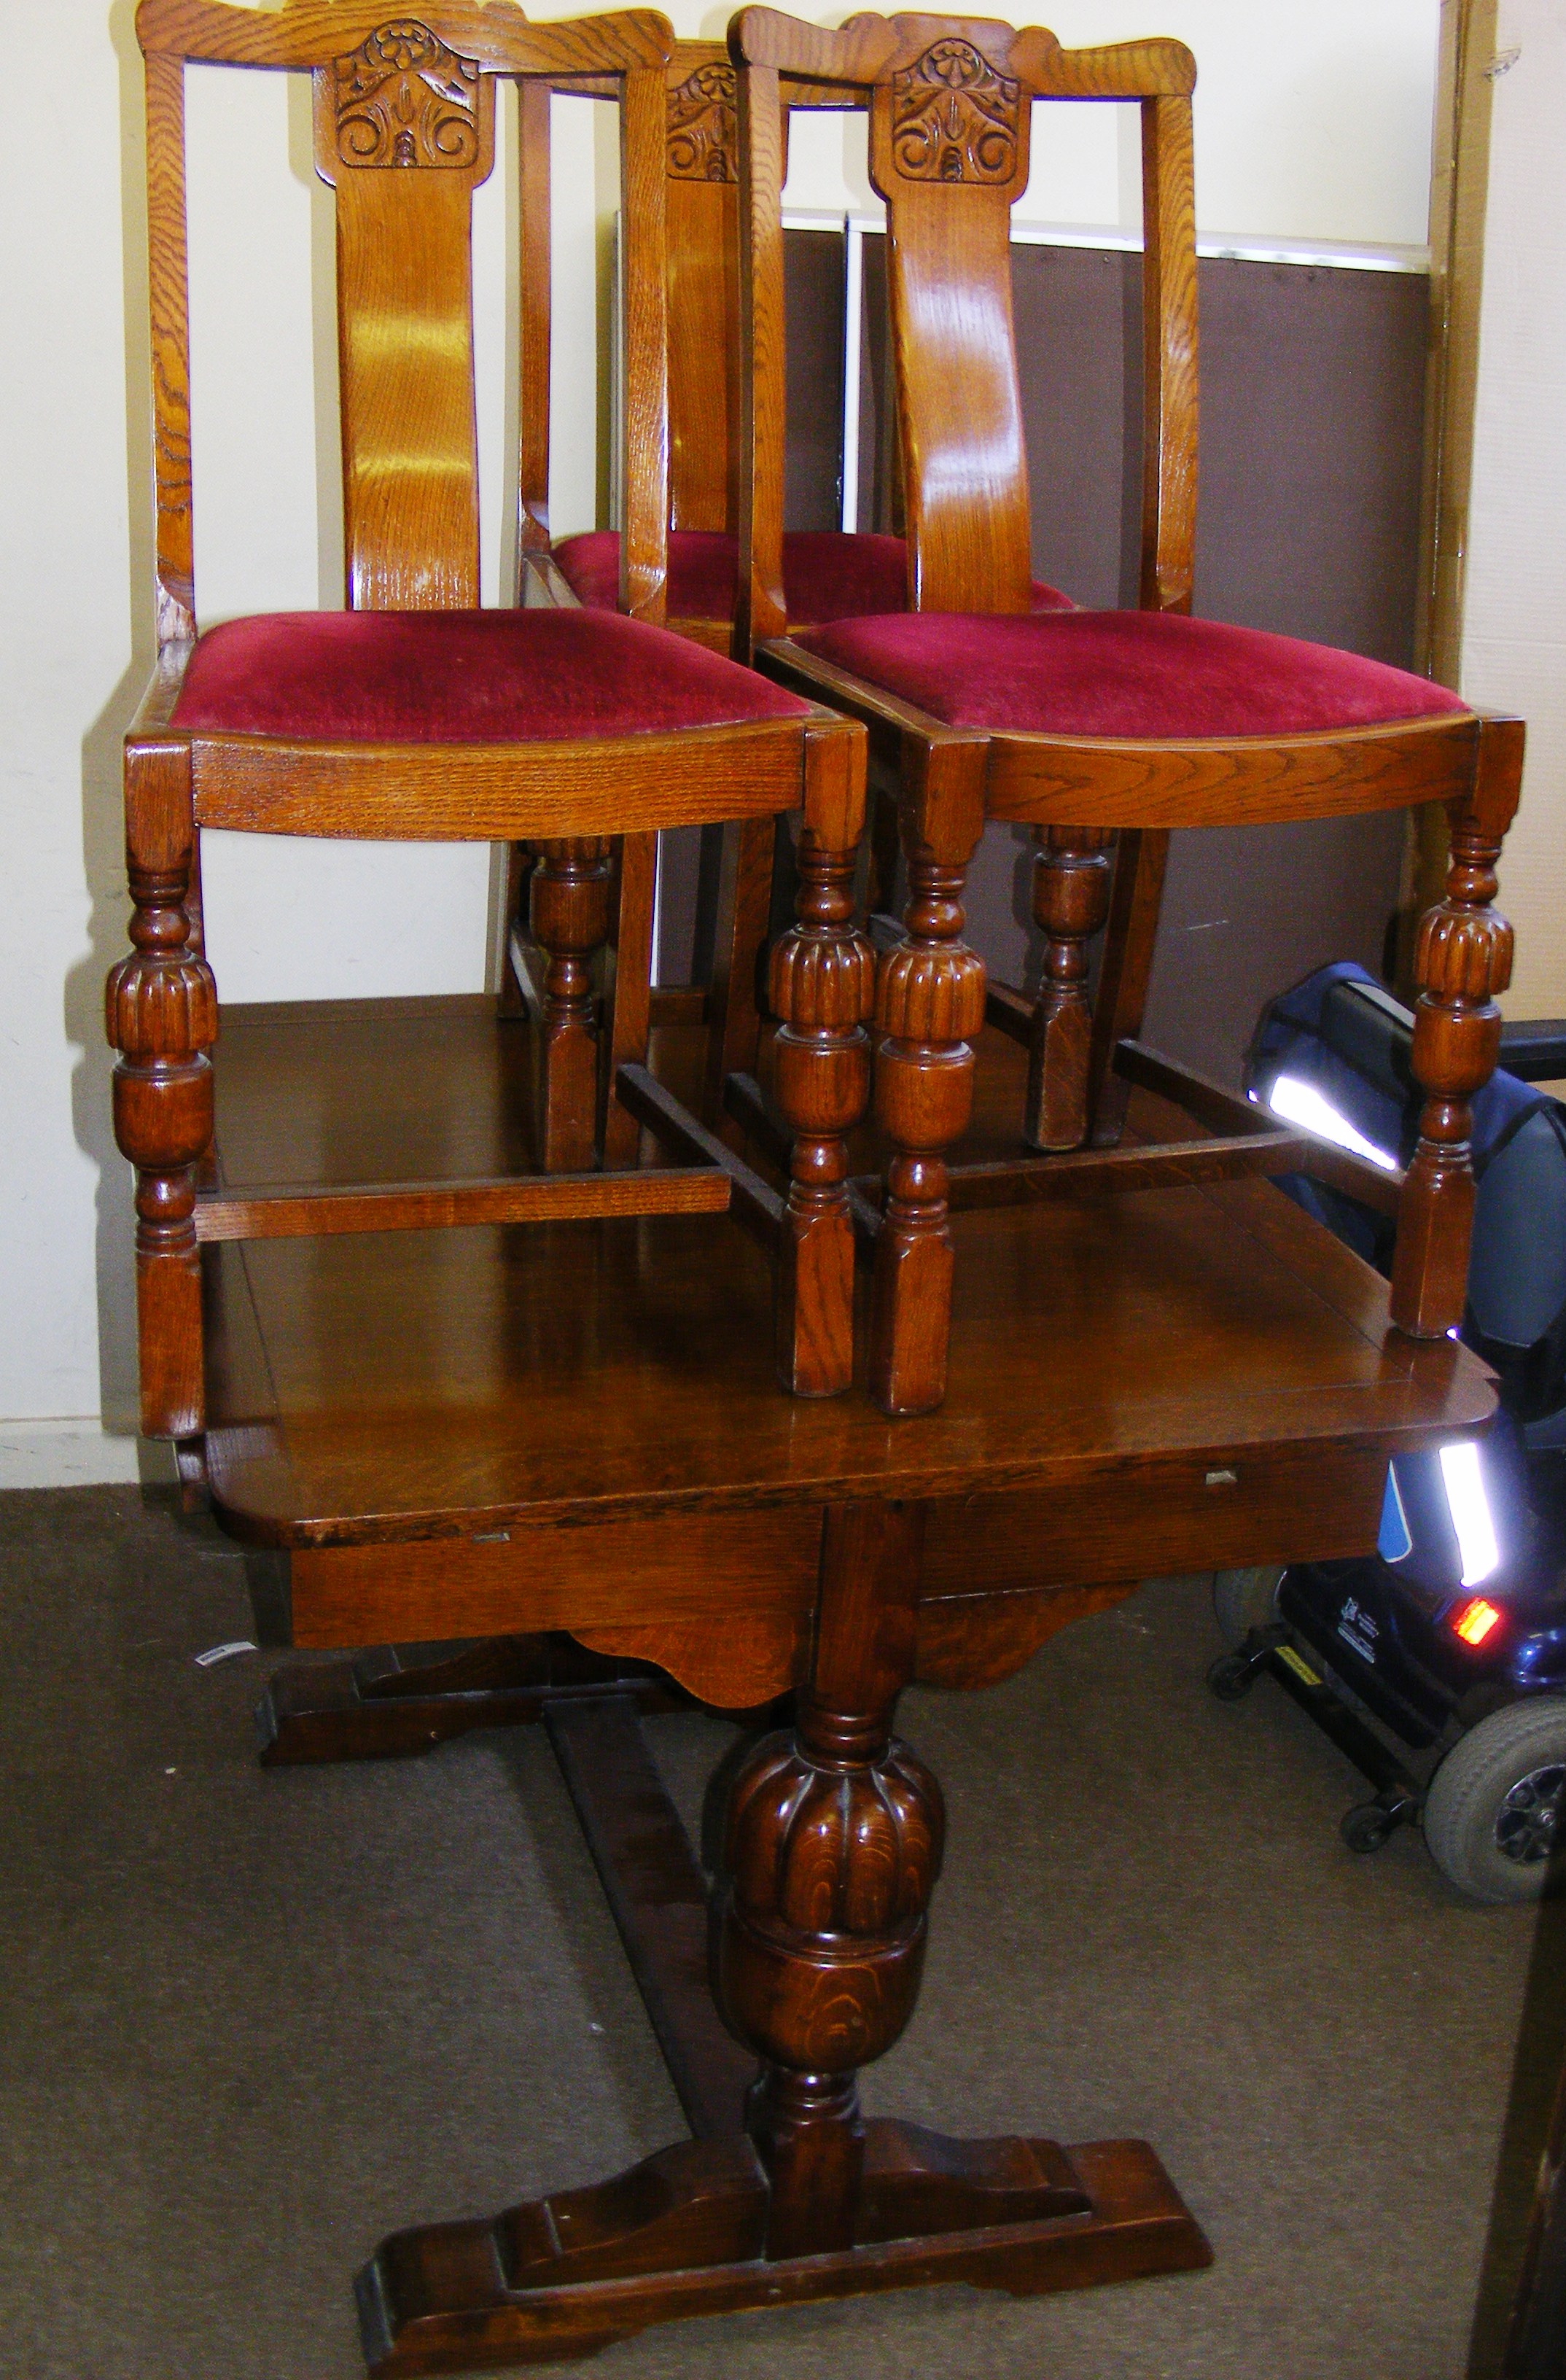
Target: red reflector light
{"points": [[1474, 1620]]}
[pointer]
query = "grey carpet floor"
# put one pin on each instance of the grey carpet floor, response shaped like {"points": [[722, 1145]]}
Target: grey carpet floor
{"points": [[253, 2021]]}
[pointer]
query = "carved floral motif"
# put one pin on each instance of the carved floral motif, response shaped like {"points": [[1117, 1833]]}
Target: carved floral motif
{"points": [[405, 99], [953, 119], [702, 128]]}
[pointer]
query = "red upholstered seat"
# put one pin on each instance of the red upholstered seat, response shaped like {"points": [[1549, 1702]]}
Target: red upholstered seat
{"points": [[827, 575], [461, 677], [1125, 674]]}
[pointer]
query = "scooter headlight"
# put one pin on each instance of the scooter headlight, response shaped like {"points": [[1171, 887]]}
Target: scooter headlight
{"points": [[1470, 1510], [1300, 1103]]}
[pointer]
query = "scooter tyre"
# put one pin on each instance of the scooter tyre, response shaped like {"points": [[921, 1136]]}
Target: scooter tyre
{"points": [[1487, 1791]]}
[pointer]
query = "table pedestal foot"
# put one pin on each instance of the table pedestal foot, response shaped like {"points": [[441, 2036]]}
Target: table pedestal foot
{"points": [[683, 2233]]}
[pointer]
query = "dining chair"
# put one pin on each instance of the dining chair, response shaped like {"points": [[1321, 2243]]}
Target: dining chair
{"points": [[413, 713], [1088, 726]]}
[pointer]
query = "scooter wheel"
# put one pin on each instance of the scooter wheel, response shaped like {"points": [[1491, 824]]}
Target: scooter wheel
{"points": [[1366, 1827], [1230, 1678], [1497, 1804], [1243, 1599]]}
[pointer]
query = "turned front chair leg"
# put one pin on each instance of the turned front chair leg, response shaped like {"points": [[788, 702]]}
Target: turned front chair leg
{"points": [[929, 997], [161, 1015], [1462, 958], [820, 985], [1071, 901], [833, 1846], [568, 896]]}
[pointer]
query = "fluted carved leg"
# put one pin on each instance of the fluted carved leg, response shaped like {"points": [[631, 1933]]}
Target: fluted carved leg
{"points": [[568, 897], [1071, 901], [929, 997], [161, 1015], [832, 1847], [1463, 959], [821, 984]]}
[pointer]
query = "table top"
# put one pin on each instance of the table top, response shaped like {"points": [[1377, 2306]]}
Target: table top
{"points": [[415, 1384]]}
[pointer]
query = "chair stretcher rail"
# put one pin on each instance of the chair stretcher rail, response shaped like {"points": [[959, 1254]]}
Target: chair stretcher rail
{"points": [[284, 1214]]}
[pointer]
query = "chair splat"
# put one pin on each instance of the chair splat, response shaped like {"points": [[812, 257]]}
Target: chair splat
{"points": [[405, 132]]}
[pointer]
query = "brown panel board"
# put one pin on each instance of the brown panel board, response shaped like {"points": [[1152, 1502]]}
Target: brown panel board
{"points": [[1312, 411], [813, 268]]}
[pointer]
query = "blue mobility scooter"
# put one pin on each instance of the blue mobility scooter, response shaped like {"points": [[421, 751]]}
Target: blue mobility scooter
{"points": [[1438, 1664]]}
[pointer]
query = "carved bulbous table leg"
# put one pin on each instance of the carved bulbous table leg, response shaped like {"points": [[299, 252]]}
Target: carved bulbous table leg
{"points": [[833, 1844]]}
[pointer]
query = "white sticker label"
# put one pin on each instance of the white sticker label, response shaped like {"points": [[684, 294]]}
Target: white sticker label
{"points": [[216, 1653]]}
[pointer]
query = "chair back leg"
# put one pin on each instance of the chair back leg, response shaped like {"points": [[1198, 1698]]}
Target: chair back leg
{"points": [[568, 900], [733, 1007], [162, 1018], [1071, 900], [1124, 972], [628, 1004]]}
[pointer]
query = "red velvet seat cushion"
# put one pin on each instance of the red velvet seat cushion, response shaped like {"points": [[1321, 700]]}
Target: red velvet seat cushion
{"points": [[827, 575], [461, 677], [1120, 674]]}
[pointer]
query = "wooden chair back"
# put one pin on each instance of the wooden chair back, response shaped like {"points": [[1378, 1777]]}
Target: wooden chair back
{"points": [[702, 215], [701, 204], [700, 241], [950, 109], [403, 133]]}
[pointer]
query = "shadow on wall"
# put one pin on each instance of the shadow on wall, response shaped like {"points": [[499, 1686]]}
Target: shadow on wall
{"points": [[103, 833]]}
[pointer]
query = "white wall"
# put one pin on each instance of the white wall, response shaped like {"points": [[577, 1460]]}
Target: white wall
{"points": [[1310, 124], [1514, 624]]}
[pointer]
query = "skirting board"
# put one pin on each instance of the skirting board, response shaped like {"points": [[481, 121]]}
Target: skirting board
{"points": [[76, 1452]]}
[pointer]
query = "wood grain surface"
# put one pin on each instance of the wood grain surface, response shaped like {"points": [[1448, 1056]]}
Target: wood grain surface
{"points": [[951, 109], [476, 793], [429, 1385]]}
